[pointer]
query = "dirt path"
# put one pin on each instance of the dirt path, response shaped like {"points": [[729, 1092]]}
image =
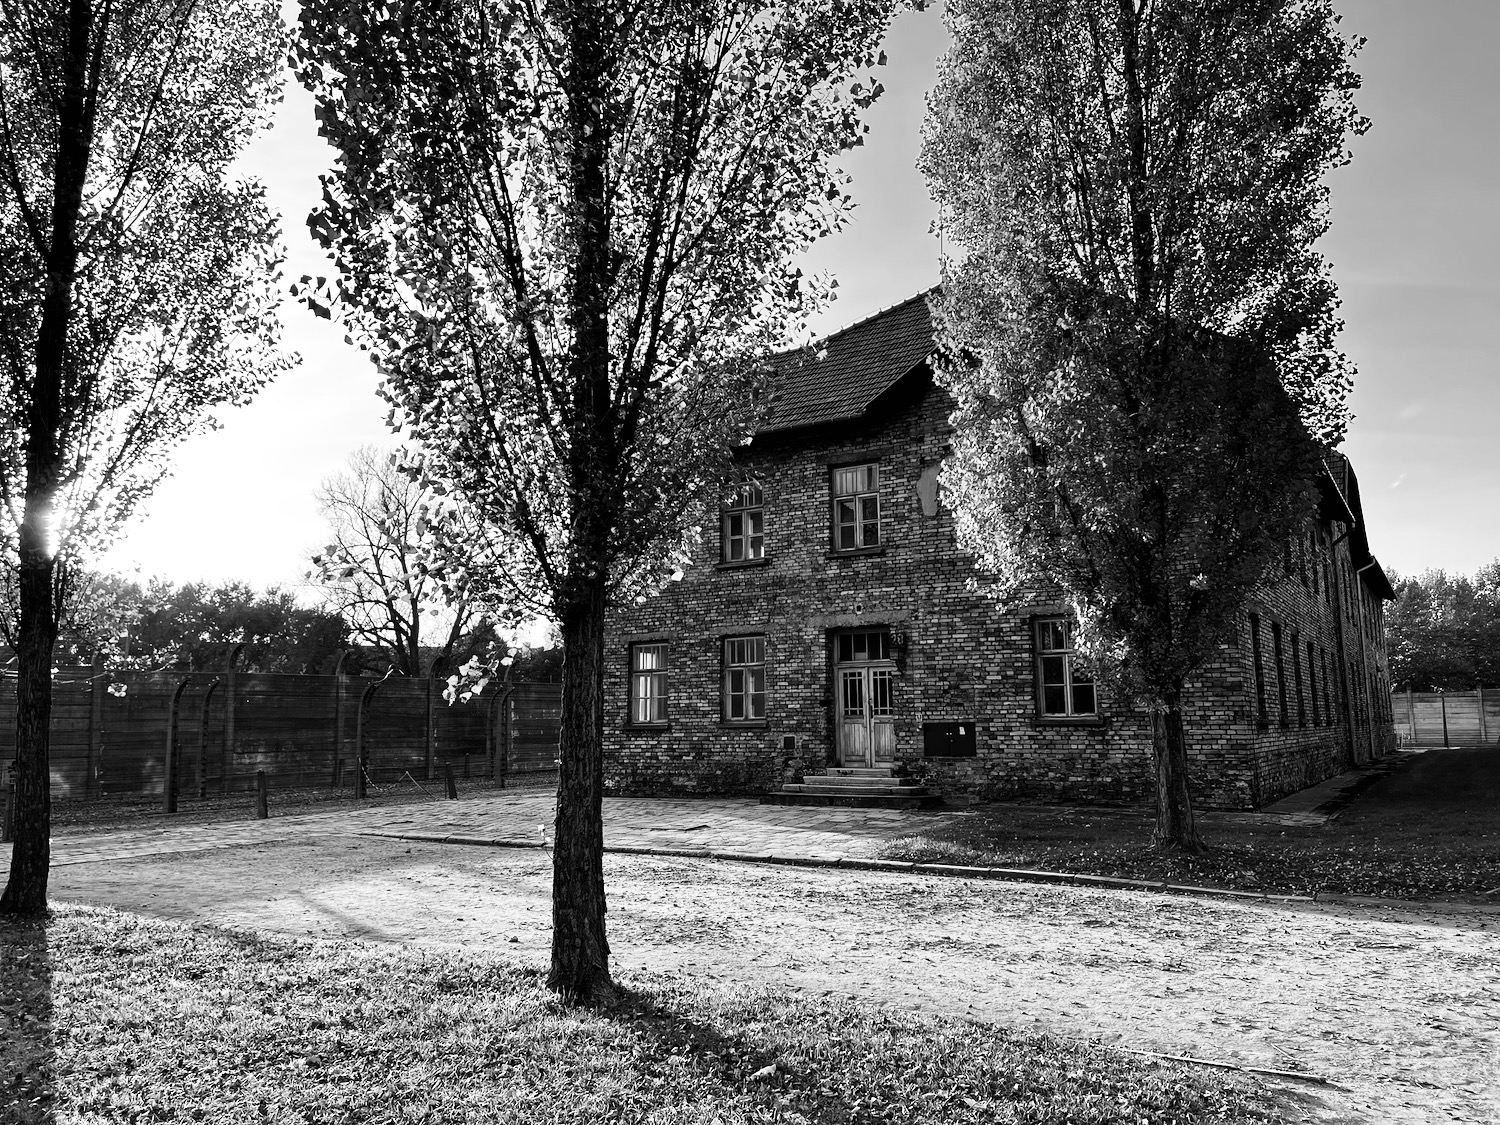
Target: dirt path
{"points": [[1401, 1008]]}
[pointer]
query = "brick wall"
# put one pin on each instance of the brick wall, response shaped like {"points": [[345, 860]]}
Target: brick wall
{"points": [[960, 657]]}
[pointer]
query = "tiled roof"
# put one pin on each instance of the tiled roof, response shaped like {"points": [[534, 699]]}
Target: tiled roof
{"points": [[837, 378]]}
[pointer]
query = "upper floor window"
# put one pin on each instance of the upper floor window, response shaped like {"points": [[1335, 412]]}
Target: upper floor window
{"points": [[745, 526], [648, 683], [1064, 686], [856, 507], [744, 679]]}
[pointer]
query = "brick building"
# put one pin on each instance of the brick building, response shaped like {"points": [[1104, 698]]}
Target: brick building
{"points": [[827, 634]]}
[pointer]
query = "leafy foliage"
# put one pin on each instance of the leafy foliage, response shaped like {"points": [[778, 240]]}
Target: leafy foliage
{"points": [[1136, 327], [194, 626], [177, 262], [549, 401], [1444, 630]]}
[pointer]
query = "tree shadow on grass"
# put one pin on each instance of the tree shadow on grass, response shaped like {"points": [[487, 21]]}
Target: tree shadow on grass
{"points": [[27, 1071]]}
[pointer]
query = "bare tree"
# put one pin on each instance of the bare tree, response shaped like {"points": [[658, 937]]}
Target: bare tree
{"points": [[374, 572]]}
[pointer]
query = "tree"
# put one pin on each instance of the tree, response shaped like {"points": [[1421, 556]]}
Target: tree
{"points": [[565, 229], [1136, 326], [194, 626], [137, 287], [375, 574], [1444, 630]]}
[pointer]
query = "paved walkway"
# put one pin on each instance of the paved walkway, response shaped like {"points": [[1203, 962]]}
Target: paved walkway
{"points": [[722, 825]]}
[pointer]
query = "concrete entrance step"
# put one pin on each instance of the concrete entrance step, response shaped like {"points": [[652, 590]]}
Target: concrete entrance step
{"points": [[857, 784], [907, 800], [855, 787]]}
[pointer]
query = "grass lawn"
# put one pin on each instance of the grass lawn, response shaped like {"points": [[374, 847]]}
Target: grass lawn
{"points": [[113, 1018], [1430, 829]]}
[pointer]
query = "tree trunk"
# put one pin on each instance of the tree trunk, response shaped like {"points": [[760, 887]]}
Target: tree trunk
{"points": [[26, 891], [1175, 826], [580, 950]]}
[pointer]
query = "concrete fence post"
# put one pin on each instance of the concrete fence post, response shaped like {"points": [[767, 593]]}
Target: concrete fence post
{"points": [[226, 755], [361, 735], [338, 718], [208, 698], [170, 766], [95, 760]]}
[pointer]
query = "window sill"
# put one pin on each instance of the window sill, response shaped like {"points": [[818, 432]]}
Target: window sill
{"points": [[857, 553], [745, 724], [743, 564], [1068, 721], [647, 728]]}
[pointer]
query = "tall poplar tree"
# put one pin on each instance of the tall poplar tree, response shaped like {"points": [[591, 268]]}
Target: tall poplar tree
{"points": [[1137, 327], [137, 293], [565, 229]]}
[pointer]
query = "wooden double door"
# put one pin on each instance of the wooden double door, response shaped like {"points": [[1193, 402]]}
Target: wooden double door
{"points": [[865, 698]]}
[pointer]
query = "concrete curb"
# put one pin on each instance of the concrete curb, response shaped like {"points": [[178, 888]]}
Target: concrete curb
{"points": [[845, 863]]}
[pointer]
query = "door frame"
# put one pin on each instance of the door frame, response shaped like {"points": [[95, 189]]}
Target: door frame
{"points": [[884, 662]]}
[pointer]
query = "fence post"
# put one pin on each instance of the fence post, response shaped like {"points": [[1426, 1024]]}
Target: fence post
{"points": [[262, 811], [170, 764], [338, 718], [227, 751], [96, 724], [1443, 701], [428, 732], [452, 785], [208, 698], [361, 759], [1484, 734]]}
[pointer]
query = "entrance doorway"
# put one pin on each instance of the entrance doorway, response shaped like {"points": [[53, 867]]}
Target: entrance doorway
{"points": [[865, 698]]}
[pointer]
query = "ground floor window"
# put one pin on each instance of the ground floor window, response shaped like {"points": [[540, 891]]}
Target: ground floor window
{"points": [[1064, 686], [1312, 683], [744, 679], [648, 683], [1260, 669]]}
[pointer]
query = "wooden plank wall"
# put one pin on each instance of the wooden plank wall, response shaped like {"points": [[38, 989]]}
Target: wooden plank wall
{"points": [[1468, 724], [105, 743]]}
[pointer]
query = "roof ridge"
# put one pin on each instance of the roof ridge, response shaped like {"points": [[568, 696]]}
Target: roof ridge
{"points": [[860, 323]]}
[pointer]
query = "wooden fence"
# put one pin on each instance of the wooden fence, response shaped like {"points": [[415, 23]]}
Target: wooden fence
{"points": [[110, 730], [1449, 718]]}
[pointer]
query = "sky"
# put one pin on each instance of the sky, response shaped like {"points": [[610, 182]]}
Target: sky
{"points": [[1414, 245]]}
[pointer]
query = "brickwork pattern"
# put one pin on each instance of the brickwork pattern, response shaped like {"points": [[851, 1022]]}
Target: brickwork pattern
{"points": [[960, 657]]}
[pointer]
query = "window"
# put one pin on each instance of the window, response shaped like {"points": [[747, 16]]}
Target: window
{"points": [[1312, 682], [1064, 686], [1297, 679], [648, 684], [1280, 671], [858, 648], [744, 526], [1260, 669], [1327, 686], [744, 679], [856, 507]]}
